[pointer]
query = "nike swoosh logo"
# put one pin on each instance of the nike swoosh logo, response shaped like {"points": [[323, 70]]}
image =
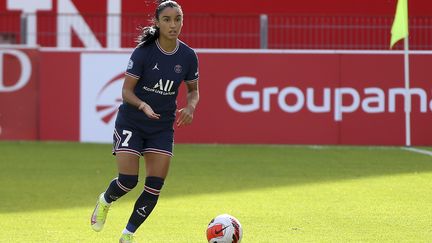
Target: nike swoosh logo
{"points": [[219, 231]]}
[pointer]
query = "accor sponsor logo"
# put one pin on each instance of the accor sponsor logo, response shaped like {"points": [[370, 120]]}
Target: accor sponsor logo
{"points": [[107, 107]]}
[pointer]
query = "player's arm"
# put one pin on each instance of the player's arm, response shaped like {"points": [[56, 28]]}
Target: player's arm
{"points": [[186, 113], [129, 97]]}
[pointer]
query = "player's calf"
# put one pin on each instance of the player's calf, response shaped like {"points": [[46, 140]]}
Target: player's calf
{"points": [[120, 186], [145, 203]]}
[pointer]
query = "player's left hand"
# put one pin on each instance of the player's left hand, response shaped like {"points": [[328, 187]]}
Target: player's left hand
{"points": [[185, 116]]}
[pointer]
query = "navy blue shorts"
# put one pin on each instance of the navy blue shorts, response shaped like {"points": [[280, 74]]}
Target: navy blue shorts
{"points": [[130, 138]]}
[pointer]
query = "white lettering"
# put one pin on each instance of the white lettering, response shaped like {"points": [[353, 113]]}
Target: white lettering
{"points": [[282, 99], [407, 96], [30, 7], [128, 137], [311, 104], [159, 85], [379, 99], [254, 96], [114, 24], [171, 84], [369, 100], [68, 20], [340, 108], [167, 87], [26, 70], [267, 92]]}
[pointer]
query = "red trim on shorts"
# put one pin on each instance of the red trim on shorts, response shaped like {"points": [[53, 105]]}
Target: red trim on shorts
{"points": [[130, 151], [158, 151]]}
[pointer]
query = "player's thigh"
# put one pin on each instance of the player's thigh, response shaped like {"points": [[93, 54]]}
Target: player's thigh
{"points": [[158, 152], [157, 164], [127, 164]]}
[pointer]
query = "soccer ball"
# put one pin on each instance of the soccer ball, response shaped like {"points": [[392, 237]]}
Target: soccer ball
{"points": [[224, 229]]}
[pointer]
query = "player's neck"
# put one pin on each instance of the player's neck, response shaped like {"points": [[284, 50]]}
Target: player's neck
{"points": [[167, 45]]}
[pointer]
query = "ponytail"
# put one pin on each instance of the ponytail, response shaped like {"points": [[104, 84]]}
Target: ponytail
{"points": [[148, 35]]}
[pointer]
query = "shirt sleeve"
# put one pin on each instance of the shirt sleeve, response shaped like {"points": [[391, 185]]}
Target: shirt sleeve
{"points": [[135, 65], [193, 72]]}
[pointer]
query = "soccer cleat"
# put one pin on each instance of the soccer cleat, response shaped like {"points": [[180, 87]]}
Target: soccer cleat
{"points": [[99, 214], [127, 238]]}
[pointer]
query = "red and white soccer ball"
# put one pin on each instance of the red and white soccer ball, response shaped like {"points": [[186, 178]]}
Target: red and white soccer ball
{"points": [[224, 229]]}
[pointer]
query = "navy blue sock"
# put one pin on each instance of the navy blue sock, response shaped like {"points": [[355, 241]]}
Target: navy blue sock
{"points": [[145, 203], [120, 186]]}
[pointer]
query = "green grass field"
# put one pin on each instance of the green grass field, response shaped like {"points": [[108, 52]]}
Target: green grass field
{"points": [[279, 193]]}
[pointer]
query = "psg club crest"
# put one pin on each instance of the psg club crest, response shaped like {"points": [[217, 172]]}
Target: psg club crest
{"points": [[178, 68]]}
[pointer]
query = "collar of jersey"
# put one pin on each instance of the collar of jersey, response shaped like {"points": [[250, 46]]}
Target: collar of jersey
{"points": [[166, 52]]}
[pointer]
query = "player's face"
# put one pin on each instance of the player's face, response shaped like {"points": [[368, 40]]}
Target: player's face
{"points": [[170, 23]]}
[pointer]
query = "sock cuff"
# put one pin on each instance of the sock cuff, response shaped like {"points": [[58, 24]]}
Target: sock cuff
{"points": [[127, 177], [153, 185], [155, 182], [127, 182]]}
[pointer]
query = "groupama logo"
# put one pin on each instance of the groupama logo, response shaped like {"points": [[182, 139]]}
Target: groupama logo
{"points": [[339, 101]]}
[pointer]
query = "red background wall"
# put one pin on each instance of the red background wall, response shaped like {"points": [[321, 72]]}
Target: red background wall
{"points": [[59, 96], [19, 109], [235, 24], [217, 122], [48, 107], [330, 7]]}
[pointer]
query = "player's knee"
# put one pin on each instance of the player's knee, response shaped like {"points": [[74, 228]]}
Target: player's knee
{"points": [[128, 181], [154, 182]]}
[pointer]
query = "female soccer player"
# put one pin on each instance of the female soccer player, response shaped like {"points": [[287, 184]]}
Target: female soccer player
{"points": [[144, 124]]}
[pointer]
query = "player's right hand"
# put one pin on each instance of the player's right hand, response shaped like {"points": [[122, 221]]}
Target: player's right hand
{"points": [[144, 107]]}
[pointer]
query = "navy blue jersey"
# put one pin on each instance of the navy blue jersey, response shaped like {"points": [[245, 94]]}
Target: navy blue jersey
{"points": [[159, 75]]}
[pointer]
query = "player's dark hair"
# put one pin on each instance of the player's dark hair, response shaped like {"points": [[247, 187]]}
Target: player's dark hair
{"points": [[150, 34]]}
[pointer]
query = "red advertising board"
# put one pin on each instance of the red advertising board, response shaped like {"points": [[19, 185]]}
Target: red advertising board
{"points": [[59, 95], [259, 117], [310, 98], [18, 94], [268, 97]]}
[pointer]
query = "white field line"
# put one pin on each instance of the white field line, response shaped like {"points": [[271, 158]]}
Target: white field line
{"points": [[420, 151]]}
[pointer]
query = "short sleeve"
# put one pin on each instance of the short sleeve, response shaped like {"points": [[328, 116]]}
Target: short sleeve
{"points": [[193, 72], [136, 63]]}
